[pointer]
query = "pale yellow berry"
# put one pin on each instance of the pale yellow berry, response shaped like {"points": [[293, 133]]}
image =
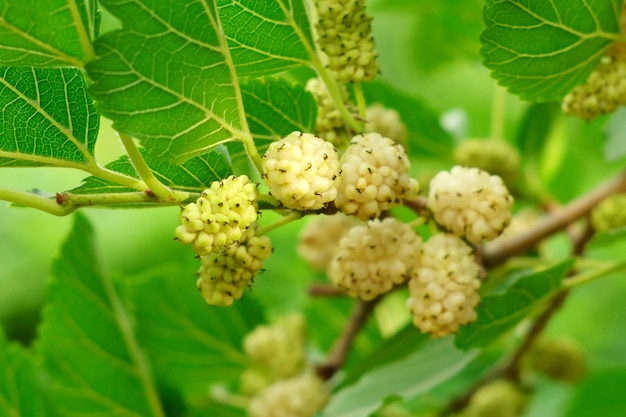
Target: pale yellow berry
{"points": [[387, 122], [329, 123], [300, 396], [319, 238]]}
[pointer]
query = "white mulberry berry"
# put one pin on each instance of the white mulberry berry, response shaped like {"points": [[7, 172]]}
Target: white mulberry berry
{"points": [[492, 155], [301, 396], [224, 275], [371, 258], [278, 348], [500, 398], [220, 217], [329, 123], [302, 171], [374, 177], [444, 287], [387, 122], [469, 202], [345, 36], [319, 238]]}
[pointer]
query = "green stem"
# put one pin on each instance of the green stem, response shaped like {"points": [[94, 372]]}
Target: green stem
{"points": [[360, 99], [585, 277], [267, 202], [253, 153], [45, 204], [117, 178], [497, 113], [278, 223], [223, 396], [110, 199], [156, 187]]}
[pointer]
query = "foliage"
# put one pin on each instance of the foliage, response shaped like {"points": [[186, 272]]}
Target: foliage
{"points": [[196, 91]]}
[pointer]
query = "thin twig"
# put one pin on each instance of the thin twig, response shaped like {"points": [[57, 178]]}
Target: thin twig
{"points": [[343, 344], [325, 290], [497, 253], [419, 206]]}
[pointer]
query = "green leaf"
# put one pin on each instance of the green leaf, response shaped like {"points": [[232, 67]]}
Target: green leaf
{"points": [[188, 341], [420, 372], [167, 78], [271, 41], [193, 175], [426, 136], [47, 118], [498, 314], [19, 386], [87, 342], [46, 33], [600, 394], [541, 50]]}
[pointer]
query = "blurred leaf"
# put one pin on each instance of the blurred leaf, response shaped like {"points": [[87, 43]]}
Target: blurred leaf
{"points": [[534, 128], [19, 385], [188, 341], [87, 344], [600, 394], [193, 175], [498, 314], [426, 136], [167, 78], [47, 118], [541, 50], [601, 240], [420, 372], [270, 43], [46, 33], [615, 145]]}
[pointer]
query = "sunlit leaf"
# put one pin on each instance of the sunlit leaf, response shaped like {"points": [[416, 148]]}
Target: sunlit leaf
{"points": [[46, 33], [87, 342], [19, 383], [600, 394], [420, 372], [46, 118], [190, 342], [540, 50], [167, 78], [270, 42], [498, 314]]}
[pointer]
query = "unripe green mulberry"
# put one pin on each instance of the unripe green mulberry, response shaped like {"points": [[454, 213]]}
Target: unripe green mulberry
{"points": [[469, 202], [610, 213], [224, 275], [345, 36], [220, 217], [278, 348], [301, 396], [329, 123], [494, 156], [444, 287], [302, 171], [500, 398], [558, 358], [603, 92], [374, 177], [319, 239], [387, 122], [371, 258]]}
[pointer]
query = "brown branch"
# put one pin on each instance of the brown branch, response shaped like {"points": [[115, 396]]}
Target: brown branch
{"points": [[341, 347], [496, 253], [419, 206], [325, 290]]}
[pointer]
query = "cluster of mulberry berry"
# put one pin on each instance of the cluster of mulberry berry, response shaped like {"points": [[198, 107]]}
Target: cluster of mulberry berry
{"points": [[224, 275], [301, 396], [302, 171], [345, 36], [220, 217], [470, 203], [610, 213], [603, 92], [318, 240], [386, 122], [444, 287], [494, 156], [329, 123], [374, 177], [371, 258]]}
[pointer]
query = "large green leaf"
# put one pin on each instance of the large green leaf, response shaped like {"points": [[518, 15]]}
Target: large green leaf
{"points": [[541, 49], [191, 343], [46, 118], [420, 372], [498, 314], [19, 385], [193, 175], [46, 33], [600, 394], [167, 77], [426, 136], [265, 36], [94, 362]]}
